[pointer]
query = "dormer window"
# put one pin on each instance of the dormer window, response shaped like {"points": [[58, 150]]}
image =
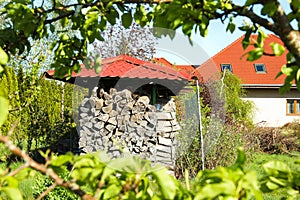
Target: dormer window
{"points": [[260, 68], [226, 66]]}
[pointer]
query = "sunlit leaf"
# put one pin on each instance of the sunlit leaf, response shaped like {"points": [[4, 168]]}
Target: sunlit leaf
{"points": [[12, 193], [255, 54], [62, 159], [112, 191], [4, 106], [275, 167], [277, 49], [3, 57], [165, 182]]}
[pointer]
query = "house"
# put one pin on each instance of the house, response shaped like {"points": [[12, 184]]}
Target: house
{"points": [[259, 80]]}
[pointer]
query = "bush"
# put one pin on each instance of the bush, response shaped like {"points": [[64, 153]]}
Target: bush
{"points": [[42, 183], [225, 119]]}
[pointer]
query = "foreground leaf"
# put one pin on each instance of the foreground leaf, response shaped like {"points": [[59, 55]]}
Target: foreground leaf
{"points": [[4, 105]]}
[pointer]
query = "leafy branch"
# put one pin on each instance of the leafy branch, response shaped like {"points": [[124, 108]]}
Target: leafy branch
{"points": [[42, 168]]}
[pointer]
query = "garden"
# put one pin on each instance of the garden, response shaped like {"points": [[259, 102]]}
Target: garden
{"points": [[39, 159]]}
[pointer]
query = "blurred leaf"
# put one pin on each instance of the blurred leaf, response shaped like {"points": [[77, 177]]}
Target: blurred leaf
{"points": [[166, 183], [62, 159], [269, 9], [3, 57], [213, 190], [107, 172], [98, 65], [12, 193], [4, 106], [271, 186], [255, 54], [112, 191], [289, 70], [241, 158], [277, 49], [275, 167], [250, 2]]}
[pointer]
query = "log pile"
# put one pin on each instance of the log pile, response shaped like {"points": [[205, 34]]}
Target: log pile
{"points": [[121, 123]]}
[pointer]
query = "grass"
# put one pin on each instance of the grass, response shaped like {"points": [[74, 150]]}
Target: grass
{"points": [[256, 164]]}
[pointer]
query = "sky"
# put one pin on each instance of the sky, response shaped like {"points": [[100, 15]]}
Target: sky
{"points": [[179, 50], [203, 48]]}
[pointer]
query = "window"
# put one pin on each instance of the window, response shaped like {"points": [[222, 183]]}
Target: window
{"points": [[293, 106], [260, 68], [226, 66]]}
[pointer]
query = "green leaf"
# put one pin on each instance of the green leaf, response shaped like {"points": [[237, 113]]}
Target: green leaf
{"points": [[98, 65], [4, 106], [212, 191], [271, 185], [112, 191], [231, 27], [62, 159], [1, 69], [298, 75], [260, 39], [280, 182], [289, 70], [107, 172], [241, 158], [269, 9], [3, 57], [12, 193], [255, 54], [126, 19], [188, 27], [166, 183], [295, 3], [250, 2], [275, 167], [277, 49]]}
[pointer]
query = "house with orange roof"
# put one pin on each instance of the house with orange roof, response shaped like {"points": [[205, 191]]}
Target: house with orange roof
{"points": [[259, 80]]}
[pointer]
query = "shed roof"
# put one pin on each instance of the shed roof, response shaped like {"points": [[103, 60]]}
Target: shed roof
{"points": [[125, 66]]}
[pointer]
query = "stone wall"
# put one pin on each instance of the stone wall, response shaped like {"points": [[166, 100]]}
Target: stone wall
{"points": [[121, 123]]}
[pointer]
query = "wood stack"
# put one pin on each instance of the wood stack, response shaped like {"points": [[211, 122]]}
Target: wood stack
{"points": [[120, 124]]}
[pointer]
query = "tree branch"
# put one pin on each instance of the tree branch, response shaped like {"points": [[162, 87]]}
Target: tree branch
{"points": [[46, 192], [243, 11], [288, 35], [44, 170], [49, 21]]}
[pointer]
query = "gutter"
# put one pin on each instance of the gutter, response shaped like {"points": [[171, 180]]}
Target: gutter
{"points": [[262, 86]]}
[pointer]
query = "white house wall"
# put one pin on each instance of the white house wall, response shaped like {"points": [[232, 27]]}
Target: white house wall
{"points": [[270, 106]]}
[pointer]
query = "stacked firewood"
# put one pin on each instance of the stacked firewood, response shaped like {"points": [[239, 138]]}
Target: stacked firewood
{"points": [[121, 123]]}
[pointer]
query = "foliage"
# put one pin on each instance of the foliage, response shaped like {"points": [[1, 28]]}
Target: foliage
{"points": [[238, 110], [35, 107], [42, 183], [133, 178], [27, 21], [222, 97]]}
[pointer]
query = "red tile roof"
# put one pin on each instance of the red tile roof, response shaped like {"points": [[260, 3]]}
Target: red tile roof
{"points": [[187, 71], [233, 54], [124, 66]]}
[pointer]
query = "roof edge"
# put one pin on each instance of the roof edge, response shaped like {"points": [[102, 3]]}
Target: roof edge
{"points": [[261, 86]]}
